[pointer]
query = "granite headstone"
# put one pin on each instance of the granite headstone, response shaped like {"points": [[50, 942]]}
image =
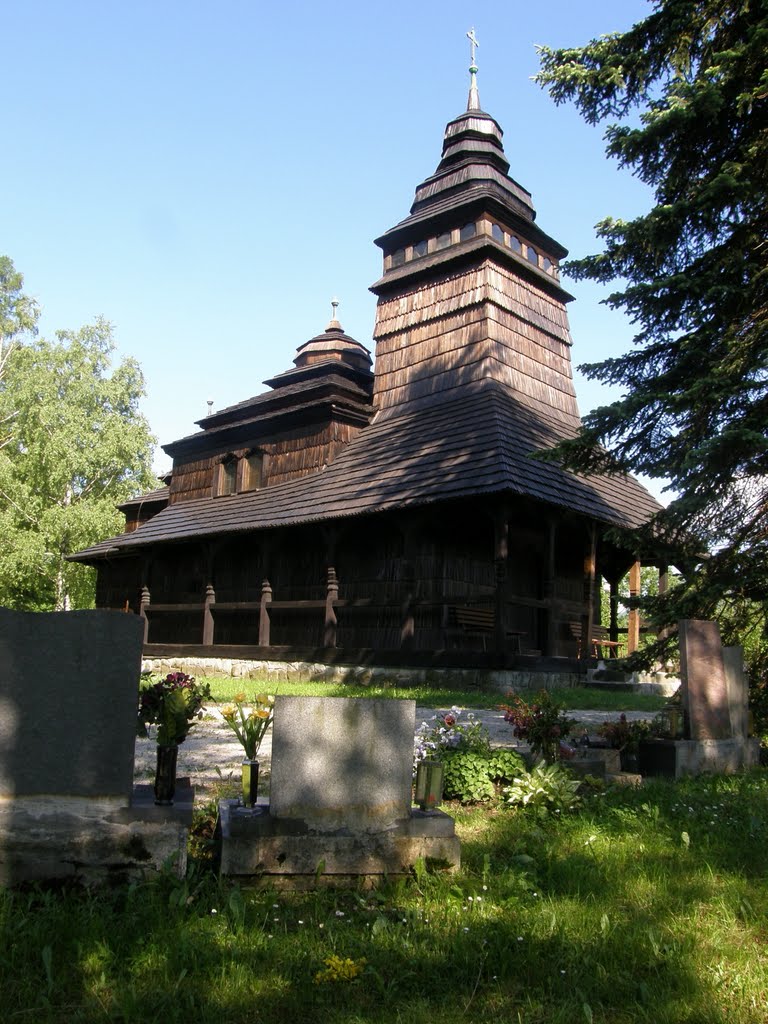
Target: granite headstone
{"points": [[342, 763], [68, 686], [704, 688]]}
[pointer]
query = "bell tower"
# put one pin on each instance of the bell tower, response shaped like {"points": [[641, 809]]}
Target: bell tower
{"points": [[470, 289]]}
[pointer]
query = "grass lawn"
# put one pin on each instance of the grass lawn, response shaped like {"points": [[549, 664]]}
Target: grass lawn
{"points": [[573, 698], [643, 905]]}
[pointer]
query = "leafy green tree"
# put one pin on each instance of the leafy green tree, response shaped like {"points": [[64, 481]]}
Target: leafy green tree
{"points": [[76, 446], [685, 95], [18, 312]]}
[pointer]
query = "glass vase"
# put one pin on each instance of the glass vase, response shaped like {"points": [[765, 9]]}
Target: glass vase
{"points": [[165, 773], [429, 785], [250, 782]]}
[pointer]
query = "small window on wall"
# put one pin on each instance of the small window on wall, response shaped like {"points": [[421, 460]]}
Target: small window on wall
{"points": [[498, 233], [548, 264], [420, 249], [533, 256], [443, 241], [253, 469], [226, 477], [468, 231], [514, 243], [398, 257]]}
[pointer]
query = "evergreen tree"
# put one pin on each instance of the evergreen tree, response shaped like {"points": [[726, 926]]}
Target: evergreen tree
{"points": [[685, 95]]}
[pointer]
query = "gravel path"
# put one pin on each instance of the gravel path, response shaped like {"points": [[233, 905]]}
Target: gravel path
{"points": [[211, 754]]}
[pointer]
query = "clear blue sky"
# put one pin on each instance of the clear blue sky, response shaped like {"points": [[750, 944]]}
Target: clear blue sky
{"points": [[207, 176]]}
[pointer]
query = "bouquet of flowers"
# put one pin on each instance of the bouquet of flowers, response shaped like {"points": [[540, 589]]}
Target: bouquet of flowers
{"points": [[542, 723], [250, 724], [449, 733], [172, 704]]}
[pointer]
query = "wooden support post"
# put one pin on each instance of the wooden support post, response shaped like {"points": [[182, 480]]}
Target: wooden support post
{"points": [[613, 611], [500, 556], [264, 623], [210, 598], [633, 629], [407, 618], [144, 602], [588, 615], [550, 641], [331, 596], [665, 631]]}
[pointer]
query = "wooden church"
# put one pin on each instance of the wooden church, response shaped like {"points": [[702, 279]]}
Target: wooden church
{"points": [[397, 514]]}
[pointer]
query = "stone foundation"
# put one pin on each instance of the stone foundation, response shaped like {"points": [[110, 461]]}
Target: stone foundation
{"points": [[287, 854]]}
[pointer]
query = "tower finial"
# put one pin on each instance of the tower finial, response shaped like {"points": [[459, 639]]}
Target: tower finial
{"points": [[334, 324], [473, 102]]}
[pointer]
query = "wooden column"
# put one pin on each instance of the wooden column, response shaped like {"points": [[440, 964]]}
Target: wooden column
{"points": [[613, 611], [665, 631], [590, 571], [210, 599], [144, 602], [331, 596], [264, 624], [500, 556], [550, 580], [633, 629], [408, 582]]}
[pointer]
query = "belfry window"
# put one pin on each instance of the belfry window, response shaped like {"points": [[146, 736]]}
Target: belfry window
{"points": [[398, 257], [533, 256], [498, 233], [468, 231], [443, 241], [420, 249], [514, 243]]}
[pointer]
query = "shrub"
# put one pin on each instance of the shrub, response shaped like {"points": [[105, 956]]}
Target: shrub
{"points": [[548, 787], [471, 776]]}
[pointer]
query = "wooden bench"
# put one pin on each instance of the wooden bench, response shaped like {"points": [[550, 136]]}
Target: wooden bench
{"points": [[600, 639], [478, 621]]}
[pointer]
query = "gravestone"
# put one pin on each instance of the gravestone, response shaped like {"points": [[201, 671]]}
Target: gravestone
{"points": [[737, 685], [68, 703], [340, 808], [714, 693], [342, 763], [68, 699], [704, 688]]}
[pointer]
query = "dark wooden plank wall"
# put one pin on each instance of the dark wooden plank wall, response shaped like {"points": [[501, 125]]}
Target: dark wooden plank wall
{"points": [[294, 453], [478, 323]]}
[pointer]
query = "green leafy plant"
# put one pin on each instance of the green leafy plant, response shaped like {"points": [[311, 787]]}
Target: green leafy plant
{"points": [[448, 733], [471, 776], [542, 723], [250, 724], [548, 787], [172, 704]]}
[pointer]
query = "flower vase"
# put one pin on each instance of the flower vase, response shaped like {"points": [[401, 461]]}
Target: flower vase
{"points": [[429, 784], [165, 773], [250, 782]]}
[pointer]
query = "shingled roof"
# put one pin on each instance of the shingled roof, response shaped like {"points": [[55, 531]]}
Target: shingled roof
{"points": [[478, 439]]}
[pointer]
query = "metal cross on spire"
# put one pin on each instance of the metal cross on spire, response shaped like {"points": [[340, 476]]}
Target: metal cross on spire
{"points": [[473, 43], [473, 103]]}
